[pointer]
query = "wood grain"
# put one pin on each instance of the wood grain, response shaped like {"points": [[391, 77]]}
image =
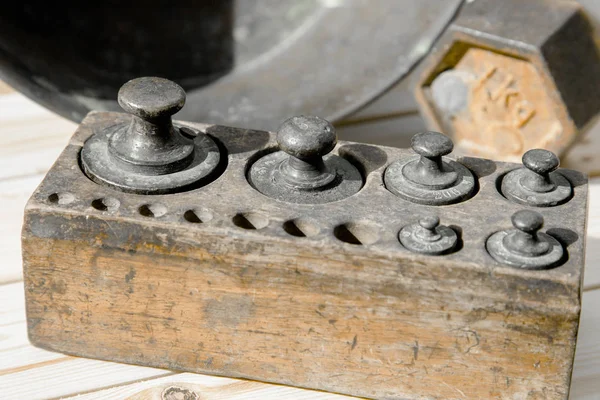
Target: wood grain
{"points": [[64, 377], [31, 138], [202, 387], [586, 384]]}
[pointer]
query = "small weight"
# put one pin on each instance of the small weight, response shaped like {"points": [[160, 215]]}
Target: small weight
{"points": [[525, 247], [537, 184], [149, 155], [303, 172], [430, 179], [428, 237]]}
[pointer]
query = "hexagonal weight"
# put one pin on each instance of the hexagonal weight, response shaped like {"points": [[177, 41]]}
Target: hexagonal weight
{"points": [[510, 76]]}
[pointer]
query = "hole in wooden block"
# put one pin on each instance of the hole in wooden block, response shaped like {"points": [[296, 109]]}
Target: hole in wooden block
{"points": [[250, 220], [153, 210], [61, 198], [197, 216], [357, 233], [106, 204], [300, 228]]}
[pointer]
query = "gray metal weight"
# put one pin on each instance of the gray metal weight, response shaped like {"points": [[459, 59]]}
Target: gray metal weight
{"points": [[150, 155], [430, 179], [428, 237], [525, 247], [537, 184], [303, 172]]}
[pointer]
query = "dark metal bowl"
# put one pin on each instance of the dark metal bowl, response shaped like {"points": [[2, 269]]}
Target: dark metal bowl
{"points": [[247, 63]]}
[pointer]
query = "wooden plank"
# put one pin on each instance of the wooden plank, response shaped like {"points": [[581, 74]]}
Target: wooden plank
{"points": [[586, 375], [27, 357], [205, 387], [13, 197], [31, 137], [30, 372], [12, 303], [13, 336], [57, 375], [15, 350], [592, 262], [69, 377], [585, 385]]}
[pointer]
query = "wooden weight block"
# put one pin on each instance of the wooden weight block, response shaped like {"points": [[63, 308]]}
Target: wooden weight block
{"points": [[224, 280]]}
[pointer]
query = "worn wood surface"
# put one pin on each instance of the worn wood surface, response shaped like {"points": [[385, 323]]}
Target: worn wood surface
{"points": [[18, 183], [371, 320]]}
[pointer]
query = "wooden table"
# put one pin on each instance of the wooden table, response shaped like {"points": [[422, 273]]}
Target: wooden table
{"points": [[31, 139]]}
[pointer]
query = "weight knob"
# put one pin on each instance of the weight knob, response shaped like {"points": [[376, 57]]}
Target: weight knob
{"points": [[307, 140], [430, 170], [151, 144]]}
